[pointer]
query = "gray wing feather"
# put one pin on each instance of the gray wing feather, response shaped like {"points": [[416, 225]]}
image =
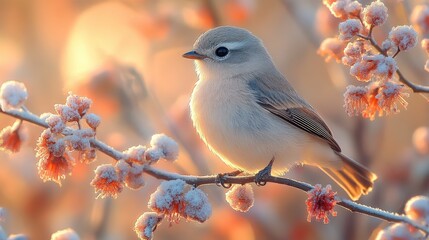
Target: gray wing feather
{"points": [[291, 108]]}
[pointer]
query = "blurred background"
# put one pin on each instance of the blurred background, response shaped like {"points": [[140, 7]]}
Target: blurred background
{"points": [[126, 56]]}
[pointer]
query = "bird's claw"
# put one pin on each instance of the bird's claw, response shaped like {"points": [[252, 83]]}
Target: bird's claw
{"points": [[220, 178], [260, 177]]}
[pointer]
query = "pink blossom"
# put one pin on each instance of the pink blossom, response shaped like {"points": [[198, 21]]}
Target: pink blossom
{"points": [[417, 208], [404, 37], [67, 113], [11, 137], [80, 104], [56, 123], [353, 52], [399, 231], [321, 203], [54, 162], [169, 148], [107, 182], [168, 199], [349, 28], [197, 206], [331, 48], [355, 100], [420, 18], [146, 225], [344, 9], [375, 14], [135, 154], [377, 66], [12, 95], [93, 120], [389, 95], [240, 197]]}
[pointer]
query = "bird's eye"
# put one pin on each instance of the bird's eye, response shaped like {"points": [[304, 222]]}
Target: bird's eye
{"points": [[221, 51]]}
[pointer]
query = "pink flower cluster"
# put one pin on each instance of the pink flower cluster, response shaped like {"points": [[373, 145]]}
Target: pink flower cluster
{"points": [[65, 135], [369, 62], [320, 203], [110, 179], [417, 209], [173, 200]]}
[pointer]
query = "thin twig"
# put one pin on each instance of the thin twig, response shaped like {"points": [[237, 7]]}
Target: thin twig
{"points": [[213, 179]]}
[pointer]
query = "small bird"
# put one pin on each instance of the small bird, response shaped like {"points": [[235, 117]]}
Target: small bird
{"points": [[247, 113]]}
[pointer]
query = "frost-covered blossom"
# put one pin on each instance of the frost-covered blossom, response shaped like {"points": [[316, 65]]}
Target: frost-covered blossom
{"points": [[389, 95], [122, 168], [56, 123], [349, 28], [240, 197], [320, 203], [417, 208], [93, 120], [88, 156], [197, 206], [11, 137], [12, 95], [353, 52], [421, 140], [168, 199], [134, 181], [331, 48], [420, 18], [106, 181], [135, 154], [67, 113], [355, 99], [146, 225], [79, 139], [375, 14], [399, 231], [17, 237], [404, 37], [66, 234], [425, 45], [344, 9], [80, 104], [170, 149], [54, 162], [377, 66]]}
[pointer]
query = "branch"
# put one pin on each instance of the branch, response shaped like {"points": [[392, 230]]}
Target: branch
{"points": [[213, 179]]}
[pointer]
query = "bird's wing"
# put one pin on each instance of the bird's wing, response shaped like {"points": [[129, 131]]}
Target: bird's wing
{"points": [[271, 95]]}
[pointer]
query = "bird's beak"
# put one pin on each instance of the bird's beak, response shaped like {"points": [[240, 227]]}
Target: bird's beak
{"points": [[194, 55]]}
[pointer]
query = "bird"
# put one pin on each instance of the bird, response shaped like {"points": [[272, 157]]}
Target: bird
{"points": [[248, 113]]}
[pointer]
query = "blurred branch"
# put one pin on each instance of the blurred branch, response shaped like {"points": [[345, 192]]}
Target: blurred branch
{"points": [[226, 179]]}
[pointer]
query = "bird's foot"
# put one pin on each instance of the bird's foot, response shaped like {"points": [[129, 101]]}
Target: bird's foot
{"points": [[220, 178], [260, 177]]}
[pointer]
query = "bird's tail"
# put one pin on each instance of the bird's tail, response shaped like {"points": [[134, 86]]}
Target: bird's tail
{"points": [[354, 178]]}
